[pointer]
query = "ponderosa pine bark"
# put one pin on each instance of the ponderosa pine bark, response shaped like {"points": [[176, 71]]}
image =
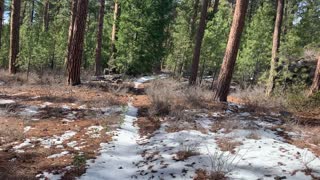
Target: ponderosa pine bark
{"points": [[46, 16], [227, 68], [193, 20], [114, 31], [1, 17], [275, 47], [74, 6], [14, 35], [316, 80], [77, 42], [98, 68], [199, 38]]}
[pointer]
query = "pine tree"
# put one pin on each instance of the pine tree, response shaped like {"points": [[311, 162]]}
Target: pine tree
{"points": [[1, 17], [275, 47], [74, 6], [46, 16], [98, 68], [225, 76], [215, 39], [77, 42], [316, 81], [14, 35], [116, 15], [254, 58], [199, 38], [142, 35]]}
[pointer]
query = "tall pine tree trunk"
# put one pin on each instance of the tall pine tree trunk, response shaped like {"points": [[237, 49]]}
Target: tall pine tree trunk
{"points": [[1, 17], [14, 35], [32, 12], [193, 19], [316, 81], [77, 42], [215, 10], [114, 32], [98, 68], [199, 38], [275, 47], [74, 6], [226, 72], [46, 16]]}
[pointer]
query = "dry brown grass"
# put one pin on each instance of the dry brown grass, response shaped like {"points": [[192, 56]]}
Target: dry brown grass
{"points": [[11, 134], [183, 155], [228, 144], [226, 125], [169, 95], [256, 100], [47, 77], [205, 175], [254, 135]]}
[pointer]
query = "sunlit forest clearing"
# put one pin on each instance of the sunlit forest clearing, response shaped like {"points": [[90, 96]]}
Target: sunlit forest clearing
{"points": [[160, 89]]}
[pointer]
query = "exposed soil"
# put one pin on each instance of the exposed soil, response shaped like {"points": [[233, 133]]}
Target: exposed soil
{"points": [[57, 110]]}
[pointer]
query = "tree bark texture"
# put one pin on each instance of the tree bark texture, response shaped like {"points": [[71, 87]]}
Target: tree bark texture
{"points": [[98, 68], [275, 47], [46, 16], [1, 17], [114, 31], [316, 81], [14, 35], [193, 19], [77, 43], [74, 6], [199, 38], [227, 68]]}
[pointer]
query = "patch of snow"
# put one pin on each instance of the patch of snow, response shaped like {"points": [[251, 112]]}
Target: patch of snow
{"points": [[65, 107], [142, 80], [46, 104], [83, 107], [58, 155], [67, 120], [19, 94], [72, 144], [57, 140], [50, 176], [36, 97], [26, 129], [120, 155], [6, 102], [30, 111], [71, 116], [94, 131], [27, 142], [2, 83], [111, 110]]}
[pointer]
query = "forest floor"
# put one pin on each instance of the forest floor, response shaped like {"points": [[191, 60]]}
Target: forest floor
{"points": [[97, 132]]}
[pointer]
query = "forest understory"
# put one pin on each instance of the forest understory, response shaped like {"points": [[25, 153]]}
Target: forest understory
{"points": [[160, 89], [134, 130]]}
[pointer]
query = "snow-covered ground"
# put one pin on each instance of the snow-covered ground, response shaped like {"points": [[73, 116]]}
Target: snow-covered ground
{"points": [[262, 153], [267, 157]]}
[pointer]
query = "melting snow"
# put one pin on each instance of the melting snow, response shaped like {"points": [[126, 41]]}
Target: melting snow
{"points": [[26, 129], [46, 104], [142, 80], [27, 142], [94, 131], [119, 156], [6, 102], [58, 155], [30, 111], [57, 140]]}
